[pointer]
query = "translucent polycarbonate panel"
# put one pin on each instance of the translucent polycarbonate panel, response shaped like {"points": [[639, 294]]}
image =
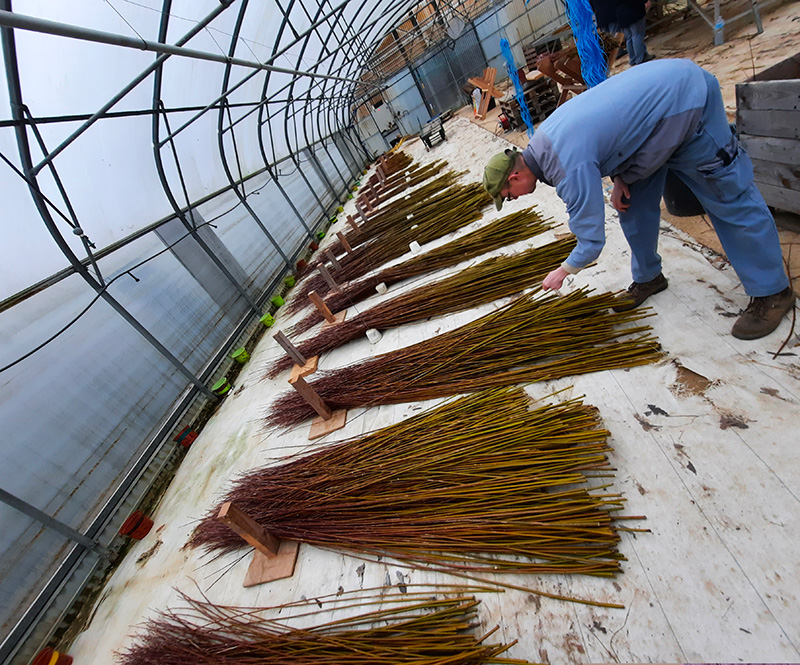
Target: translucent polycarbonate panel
{"points": [[408, 107], [24, 233], [29, 555]]}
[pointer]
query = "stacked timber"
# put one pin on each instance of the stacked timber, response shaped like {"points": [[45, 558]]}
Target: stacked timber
{"points": [[768, 120], [541, 96]]}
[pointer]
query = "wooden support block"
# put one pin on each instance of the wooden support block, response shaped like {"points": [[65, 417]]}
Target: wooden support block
{"points": [[321, 427], [337, 318], [291, 349], [332, 259], [304, 370], [326, 275], [310, 395], [268, 569], [361, 211], [250, 530], [343, 240], [322, 308]]}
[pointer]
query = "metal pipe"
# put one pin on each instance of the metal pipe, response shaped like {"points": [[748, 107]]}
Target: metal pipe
{"points": [[49, 521], [22, 22], [122, 93], [15, 99]]}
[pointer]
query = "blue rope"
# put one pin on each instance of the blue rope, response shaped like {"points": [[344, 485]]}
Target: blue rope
{"points": [[593, 60], [505, 49]]}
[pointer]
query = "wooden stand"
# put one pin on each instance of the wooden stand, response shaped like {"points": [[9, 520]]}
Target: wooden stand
{"points": [[343, 240], [302, 366], [292, 351], [328, 420], [486, 86], [273, 559], [322, 308], [337, 318], [326, 275], [309, 367], [332, 258]]}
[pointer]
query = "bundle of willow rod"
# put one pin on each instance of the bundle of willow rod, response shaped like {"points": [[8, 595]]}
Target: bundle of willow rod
{"points": [[417, 175], [411, 177], [422, 203], [504, 231], [482, 484], [456, 207], [532, 338], [420, 630], [494, 278]]}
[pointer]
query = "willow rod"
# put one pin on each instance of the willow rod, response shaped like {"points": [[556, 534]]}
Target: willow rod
{"points": [[507, 230], [456, 207], [482, 484], [414, 631], [494, 278], [535, 337]]}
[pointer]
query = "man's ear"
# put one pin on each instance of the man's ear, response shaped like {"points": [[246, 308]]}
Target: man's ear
{"points": [[514, 175]]}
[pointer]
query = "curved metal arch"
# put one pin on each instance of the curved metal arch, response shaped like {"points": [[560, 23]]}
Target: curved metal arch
{"points": [[388, 17], [260, 125], [156, 127], [15, 98], [221, 140]]}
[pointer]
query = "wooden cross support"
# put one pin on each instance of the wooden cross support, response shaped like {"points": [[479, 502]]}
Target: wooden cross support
{"points": [[343, 240], [361, 211], [273, 559], [328, 420], [486, 86], [334, 262], [326, 275], [291, 349], [322, 308]]}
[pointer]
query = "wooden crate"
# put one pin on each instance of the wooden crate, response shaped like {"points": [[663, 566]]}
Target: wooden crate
{"points": [[768, 120]]}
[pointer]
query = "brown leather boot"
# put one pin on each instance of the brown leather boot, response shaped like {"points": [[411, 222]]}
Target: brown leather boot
{"points": [[638, 292], [763, 315]]}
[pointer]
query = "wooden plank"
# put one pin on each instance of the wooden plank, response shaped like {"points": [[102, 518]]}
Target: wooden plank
{"points": [[322, 308], [291, 349], [784, 124], [311, 396], [777, 175], [250, 530], [769, 95], [780, 198], [771, 148]]}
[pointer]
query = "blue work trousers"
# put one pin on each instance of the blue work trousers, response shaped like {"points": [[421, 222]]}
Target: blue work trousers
{"points": [[720, 174], [634, 41]]}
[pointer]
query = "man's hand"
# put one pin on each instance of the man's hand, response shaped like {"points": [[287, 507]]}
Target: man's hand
{"points": [[620, 190], [555, 279]]}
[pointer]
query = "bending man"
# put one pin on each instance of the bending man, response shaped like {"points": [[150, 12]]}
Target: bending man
{"points": [[661, 115]]}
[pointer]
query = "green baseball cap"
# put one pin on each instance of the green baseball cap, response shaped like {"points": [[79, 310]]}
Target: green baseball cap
{"points": [[496, 173]]}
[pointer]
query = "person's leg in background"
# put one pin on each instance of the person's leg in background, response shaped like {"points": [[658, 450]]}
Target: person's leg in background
{"points": [[634, 42]]}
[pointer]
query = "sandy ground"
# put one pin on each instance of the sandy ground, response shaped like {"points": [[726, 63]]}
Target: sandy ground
{"points": [[744, 53]]}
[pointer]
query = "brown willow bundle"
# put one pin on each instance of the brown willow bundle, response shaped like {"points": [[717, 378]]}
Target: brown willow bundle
{"points": [[494, 278], [481, 484], [417, 175], [529, 339], [420, 631], [507, 230], [456, 207], [411, 177]]}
